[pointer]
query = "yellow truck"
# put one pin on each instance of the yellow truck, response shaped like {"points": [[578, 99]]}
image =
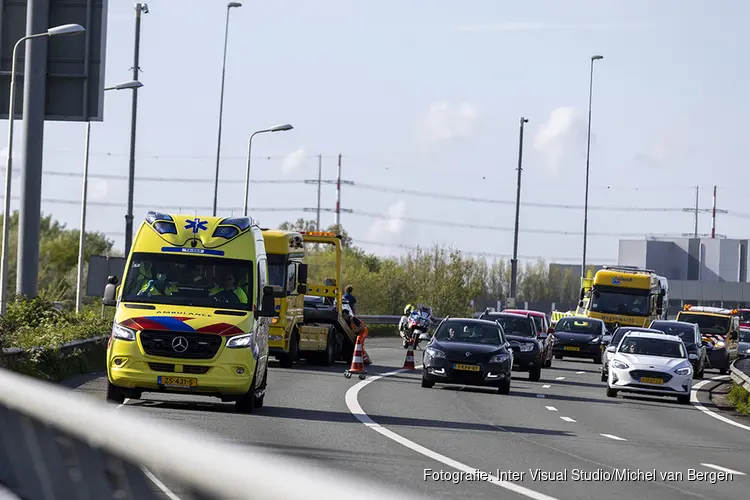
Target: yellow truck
{"points": [[309, 323], [193, 311], [622, 295]]}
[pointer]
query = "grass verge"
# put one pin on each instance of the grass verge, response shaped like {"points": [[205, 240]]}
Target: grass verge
{"points": [[740, 398]]}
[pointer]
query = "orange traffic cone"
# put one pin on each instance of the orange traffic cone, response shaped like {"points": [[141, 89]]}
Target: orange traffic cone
{"points": [[366, 357], [409, 361], [358, 365]]}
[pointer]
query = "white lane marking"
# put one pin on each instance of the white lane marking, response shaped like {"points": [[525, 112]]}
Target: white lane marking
{"points": [[697, 404], [546, 386], [540, 395], [161, 486], [551, 408], [560, 378], [353, 404], [611, 436], [580, 373], [567, 419], [724, 469]]}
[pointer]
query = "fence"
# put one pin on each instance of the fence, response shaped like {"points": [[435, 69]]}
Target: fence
{"points": [[60, 445]]}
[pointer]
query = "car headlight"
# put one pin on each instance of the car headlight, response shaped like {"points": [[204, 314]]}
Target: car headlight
{"points": [[719, 345], [685, 370], [240, 341], [434, 353], [747, 351], [526, 347], [619, 364], [500, 358], [595, 340], [123, 333]]}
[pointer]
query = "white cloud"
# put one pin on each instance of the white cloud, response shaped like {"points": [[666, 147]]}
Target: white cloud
{"points": [[530, 26], [293, 161], [562, 133], [445, 121], [392, 225]]}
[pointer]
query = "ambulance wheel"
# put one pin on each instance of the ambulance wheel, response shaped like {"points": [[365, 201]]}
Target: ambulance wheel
{"points": [[115, 394], [362, 376]]}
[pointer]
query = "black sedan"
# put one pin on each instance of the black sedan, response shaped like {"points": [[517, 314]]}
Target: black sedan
{"points": [[691, 337], [521, 332], [468, 352], [579, 337]]}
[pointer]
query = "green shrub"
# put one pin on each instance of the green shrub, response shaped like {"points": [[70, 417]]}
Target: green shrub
{"points": [[30, 323], [740, 398]]}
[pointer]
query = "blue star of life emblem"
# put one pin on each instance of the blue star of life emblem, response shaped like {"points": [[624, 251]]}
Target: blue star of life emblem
{"points": [[196, 225]]}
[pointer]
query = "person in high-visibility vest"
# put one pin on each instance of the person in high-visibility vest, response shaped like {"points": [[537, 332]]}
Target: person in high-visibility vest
{"points": [[159, 283], [359, 328], [228, 286]]}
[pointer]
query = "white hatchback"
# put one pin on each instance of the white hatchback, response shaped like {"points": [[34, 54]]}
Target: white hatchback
{"points": [[650, 363]]}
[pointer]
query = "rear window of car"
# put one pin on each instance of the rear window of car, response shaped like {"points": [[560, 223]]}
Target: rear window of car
{"points": [[579, 326]]}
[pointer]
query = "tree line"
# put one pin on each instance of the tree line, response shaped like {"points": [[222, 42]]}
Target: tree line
{"points": [[450, 282], [445, 278]]}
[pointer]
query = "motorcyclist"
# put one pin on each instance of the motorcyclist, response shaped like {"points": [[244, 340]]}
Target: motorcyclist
{"points": [[405, 319]]}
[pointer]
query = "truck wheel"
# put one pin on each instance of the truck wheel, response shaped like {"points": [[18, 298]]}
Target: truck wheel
{"points": [[328, 357], [287, 359]]}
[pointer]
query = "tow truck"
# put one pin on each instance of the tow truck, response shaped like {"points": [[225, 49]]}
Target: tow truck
{"points": [[310, 324]]}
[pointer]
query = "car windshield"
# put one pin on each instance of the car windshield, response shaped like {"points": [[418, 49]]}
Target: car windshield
{"points": [[744, 316], [189, 280], [707, 323], [477, 333], [620, 303], [578, 325], [686, 333], [514, 325], [744, 335], [653, 347], [620, 333]]}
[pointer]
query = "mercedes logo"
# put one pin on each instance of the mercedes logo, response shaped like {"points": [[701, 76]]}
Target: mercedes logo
{"points": [[468, 354], [180, 344]]}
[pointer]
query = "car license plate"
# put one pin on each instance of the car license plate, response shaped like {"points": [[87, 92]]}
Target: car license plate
{"points": [[466, 368], [572, 348], [652, 380], [177, 381]]}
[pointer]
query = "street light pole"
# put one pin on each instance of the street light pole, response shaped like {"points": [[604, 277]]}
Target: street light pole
{"points": [[66, 29], [514, 261], [230, 5], [84, 195], [588, 152], [139, 7], [277, 128]]}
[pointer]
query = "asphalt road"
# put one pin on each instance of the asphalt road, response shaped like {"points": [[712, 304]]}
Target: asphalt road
{"points": [[743, 365], [562, 424]]}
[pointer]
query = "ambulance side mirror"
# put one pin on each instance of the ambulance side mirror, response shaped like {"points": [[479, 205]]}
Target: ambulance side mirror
{"points": [[267, 304], [110, 292]]}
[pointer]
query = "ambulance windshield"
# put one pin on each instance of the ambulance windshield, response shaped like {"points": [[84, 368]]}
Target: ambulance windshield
{"points": [[189, 280]]}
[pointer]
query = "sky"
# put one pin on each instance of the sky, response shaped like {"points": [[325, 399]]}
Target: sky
{"points": [[422, 100]]}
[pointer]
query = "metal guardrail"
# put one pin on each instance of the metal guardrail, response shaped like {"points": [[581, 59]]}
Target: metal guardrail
{"points": [[60, 445], [740, 373]]}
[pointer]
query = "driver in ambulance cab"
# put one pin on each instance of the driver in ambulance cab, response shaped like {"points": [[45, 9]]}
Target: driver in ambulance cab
{"points": [[228, 283]]}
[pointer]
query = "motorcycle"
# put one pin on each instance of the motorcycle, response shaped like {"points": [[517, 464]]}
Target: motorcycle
{"points": [[417, 323]]}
